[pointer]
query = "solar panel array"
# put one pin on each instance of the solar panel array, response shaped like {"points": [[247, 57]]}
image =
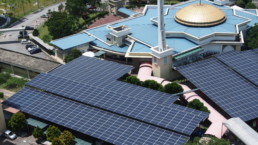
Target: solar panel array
{"points": [[136, 114], [104, 74], [230, 91], [180, 119], [91, 121], [245, 63]]}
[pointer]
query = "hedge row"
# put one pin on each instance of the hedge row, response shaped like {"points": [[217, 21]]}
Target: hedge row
{"points": [[171, 88]]}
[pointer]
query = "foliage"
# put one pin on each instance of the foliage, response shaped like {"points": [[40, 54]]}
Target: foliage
{"points": [[60, 7], [4, 77], [243, 3], [252, 37], [73, 54], [133, 80], [35, 32], [46, 38], [75, 7], [52, 133], [173, 88], [67, 138], [61, 24], [18, 122], [250, 5], [37, 132], [1, 95], [93, 16], [212, 141], [57, 141], [13, 83], [198, 105], [152, 85]]}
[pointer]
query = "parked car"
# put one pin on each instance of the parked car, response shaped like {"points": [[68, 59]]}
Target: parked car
{"points": [[29, 28], [23, 35], [44, 16], [33, 50], [9, 134], [25, 41], [29, 45]]}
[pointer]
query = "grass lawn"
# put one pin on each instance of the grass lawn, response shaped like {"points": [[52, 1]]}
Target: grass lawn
{"points": [[11, 83], [43, 33], [19, 8]]}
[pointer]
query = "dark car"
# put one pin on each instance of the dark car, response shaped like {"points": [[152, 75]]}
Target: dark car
{"points": [[29, 28], [33, 50]]}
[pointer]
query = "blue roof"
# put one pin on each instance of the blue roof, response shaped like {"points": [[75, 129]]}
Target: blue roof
{"points": [[127, 11], [253, 11], [254, 18], [72, 41], [121, 49], [180, 44], [138, 47]]}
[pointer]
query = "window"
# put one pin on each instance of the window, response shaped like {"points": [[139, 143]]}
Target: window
{"points": [[165, 60]]}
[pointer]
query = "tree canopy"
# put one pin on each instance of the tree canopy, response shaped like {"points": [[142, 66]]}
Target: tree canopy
{"points": [[57, 141], [61, 24], [252, 37], [198, 105], [67, 138], [37, 132], [173, 88], [73, 54], [250, 5], [76, 7], [52, 133], [18, 122]]}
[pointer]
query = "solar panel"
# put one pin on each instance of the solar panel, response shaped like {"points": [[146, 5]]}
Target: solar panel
{"points": [[180, 119], [231, 92], [91, 121], [245, 63]]}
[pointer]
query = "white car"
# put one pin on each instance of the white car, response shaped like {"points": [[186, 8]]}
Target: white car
{"points": [[9, 134], [24, 41]]}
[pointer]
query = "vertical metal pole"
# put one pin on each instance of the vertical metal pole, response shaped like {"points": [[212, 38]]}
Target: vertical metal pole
{"points": [[161, 29]]}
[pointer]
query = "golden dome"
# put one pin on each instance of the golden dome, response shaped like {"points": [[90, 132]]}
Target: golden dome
{"points": [[200, 15]]}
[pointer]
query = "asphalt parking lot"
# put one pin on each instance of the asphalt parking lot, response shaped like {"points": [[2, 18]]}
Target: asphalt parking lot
{"points": [[18, 47]]}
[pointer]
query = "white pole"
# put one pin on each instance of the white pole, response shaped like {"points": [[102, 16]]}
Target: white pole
{"points": [[161, 29]]}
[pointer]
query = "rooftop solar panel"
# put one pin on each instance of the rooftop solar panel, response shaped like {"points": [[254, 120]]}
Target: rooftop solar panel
{"points": [[234, 94], [89, 120], [180, 119], [245, 63]]}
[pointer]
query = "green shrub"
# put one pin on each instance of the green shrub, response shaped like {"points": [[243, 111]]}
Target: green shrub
{"points": [[35, 32], [13, 83], [152, 85], [37, 133], [173, 88], [133, 80], [18, 122], [1, 95], [46, 38], [57, 141], [67, 137], [52, 133], [198, 105], [73, 54], [4, 77]]}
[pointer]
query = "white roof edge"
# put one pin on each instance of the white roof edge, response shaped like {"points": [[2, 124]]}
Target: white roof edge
{"points": [[243, 131]]}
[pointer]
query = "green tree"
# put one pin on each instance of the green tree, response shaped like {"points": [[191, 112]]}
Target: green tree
{"points": [[75, 7], [18, 122], [240, 3], [60, 7], [52, 132], [173, 88], [250, 5], [152, 85], [61, 24], [198, 105], [46, 38], [133, 80], [57, 141], [37, 132], [4, 77], [1, 95], [67, 138], [252, 37], [73, 54], [35, 32]]}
